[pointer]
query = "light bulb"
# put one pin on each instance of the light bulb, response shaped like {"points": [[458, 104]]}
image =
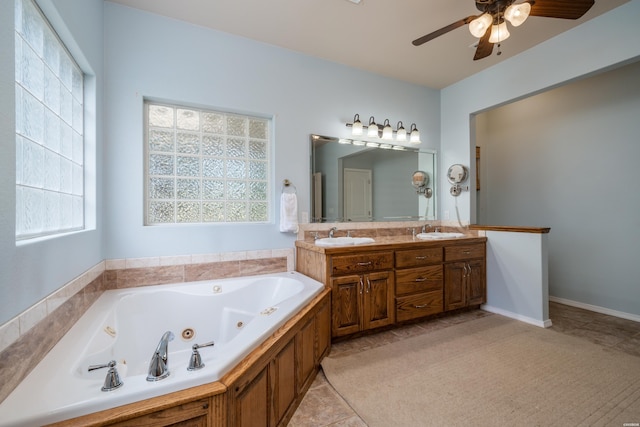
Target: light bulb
{"points": [[499, 33], [387, 131], [415, 135], [516, 14], [479, 26], [401, 134], [372, 129], [356, 128]]}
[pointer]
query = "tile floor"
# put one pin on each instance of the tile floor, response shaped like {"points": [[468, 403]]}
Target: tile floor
{"points": [[323, 407]]}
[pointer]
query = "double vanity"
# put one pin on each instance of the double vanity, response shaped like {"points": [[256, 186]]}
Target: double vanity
{"points": [[390, 279]]}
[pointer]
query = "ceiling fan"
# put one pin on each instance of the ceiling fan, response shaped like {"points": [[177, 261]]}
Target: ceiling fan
{"points": [[491, 25]]}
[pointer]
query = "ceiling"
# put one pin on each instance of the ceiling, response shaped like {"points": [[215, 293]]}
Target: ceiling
{"points": [[374, 35]]}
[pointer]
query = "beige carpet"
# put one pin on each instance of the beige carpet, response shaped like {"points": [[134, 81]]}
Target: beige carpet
{"points": [[492, 371]]}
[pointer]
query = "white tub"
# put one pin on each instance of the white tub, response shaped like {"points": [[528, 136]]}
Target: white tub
{"points": [[126, 326]]}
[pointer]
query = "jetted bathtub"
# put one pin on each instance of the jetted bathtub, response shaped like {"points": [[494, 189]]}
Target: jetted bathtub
{"points": [[126, 326]]}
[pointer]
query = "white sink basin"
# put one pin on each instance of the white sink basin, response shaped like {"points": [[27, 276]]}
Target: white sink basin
{"points": [[343, 241], [438, 235]]}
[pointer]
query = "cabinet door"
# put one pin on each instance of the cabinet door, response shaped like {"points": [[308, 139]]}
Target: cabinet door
{"points": [[305, 352], [476, 284], [284, 368], [378, 300], [252, 402], [455, 295], [323, 328], [346, 304]]}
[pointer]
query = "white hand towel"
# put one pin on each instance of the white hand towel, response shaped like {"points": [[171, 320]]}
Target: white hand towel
{"points": [[288, 213]]}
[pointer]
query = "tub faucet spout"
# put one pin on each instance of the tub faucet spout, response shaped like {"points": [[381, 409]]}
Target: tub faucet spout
{"points": [[159, 365]]}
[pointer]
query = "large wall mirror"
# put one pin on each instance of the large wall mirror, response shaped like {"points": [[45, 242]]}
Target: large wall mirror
{"points": [[353, 181]]}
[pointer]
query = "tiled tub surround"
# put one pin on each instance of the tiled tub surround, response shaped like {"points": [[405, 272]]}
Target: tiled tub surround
{"points": [[27, 338]]}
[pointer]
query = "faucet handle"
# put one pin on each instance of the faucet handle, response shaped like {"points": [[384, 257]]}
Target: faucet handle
{"points": [[195, 362], [112, 381]]}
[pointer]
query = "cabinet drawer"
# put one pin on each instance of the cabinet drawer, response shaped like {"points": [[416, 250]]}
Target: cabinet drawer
{"points": [[453, 253], [419, 305], [361, 263], [418, 257], [412, 280]]}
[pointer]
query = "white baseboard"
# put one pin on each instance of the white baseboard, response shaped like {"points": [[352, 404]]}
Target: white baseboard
{"points": [[597, 309], [516, 316]]}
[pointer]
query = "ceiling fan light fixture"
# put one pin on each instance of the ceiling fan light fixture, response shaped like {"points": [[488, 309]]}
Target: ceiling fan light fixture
{"points": [[516, 14], [479, 26], [499, 33]]}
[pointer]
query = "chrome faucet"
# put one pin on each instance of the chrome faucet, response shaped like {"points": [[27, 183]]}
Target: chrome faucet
{"points": [[425, 227], [159, 365], [331, 232]]}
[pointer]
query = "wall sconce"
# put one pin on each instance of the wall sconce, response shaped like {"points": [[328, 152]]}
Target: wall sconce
{"points": [[384, 131]]}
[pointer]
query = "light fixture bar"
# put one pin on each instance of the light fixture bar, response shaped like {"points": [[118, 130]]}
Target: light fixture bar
{"points": [[384, 131]]}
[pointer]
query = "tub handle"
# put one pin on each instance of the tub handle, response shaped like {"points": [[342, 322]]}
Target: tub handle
{"points": [[195, 362], [112, 381]]}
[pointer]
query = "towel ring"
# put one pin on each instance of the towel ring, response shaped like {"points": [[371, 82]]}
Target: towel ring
{"points": [[287, 185]]}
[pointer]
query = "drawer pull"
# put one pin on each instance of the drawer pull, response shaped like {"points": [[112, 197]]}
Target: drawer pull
{"points": [[421, 279], [466, 252], [365, 264], [421, 305], [421, 257]]}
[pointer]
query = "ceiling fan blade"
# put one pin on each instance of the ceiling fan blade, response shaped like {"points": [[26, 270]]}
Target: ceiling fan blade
{"points": [[443, 30], [565, 9], [484, 48]]}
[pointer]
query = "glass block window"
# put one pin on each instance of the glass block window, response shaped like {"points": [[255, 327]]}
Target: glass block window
{"points": [[205, 166], [49, 129]]}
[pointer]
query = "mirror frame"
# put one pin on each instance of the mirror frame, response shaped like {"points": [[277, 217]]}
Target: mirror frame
{"points": [[426, 204]]}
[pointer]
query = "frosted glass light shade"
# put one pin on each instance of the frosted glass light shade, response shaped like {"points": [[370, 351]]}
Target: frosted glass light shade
{"points": [[499, 33], [516, 14], [356, 128], [401, 134], [415, 135], [372, 129], [479, 26], [387, 131]]}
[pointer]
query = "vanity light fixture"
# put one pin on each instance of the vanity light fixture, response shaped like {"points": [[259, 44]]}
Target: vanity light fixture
{"points": [[384, 131]]}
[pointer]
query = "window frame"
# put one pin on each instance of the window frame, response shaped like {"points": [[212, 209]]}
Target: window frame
{"points": [[266, 182]]}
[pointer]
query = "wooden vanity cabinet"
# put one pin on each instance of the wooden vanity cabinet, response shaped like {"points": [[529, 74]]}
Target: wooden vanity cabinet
{"points": [[464, 276], [419, 283], [363, 292]]}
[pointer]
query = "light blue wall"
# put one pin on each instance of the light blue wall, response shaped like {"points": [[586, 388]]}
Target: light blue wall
{"points": [[605, 41], [567, 159], [569, 188], [29, 272], [148, 55]]}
